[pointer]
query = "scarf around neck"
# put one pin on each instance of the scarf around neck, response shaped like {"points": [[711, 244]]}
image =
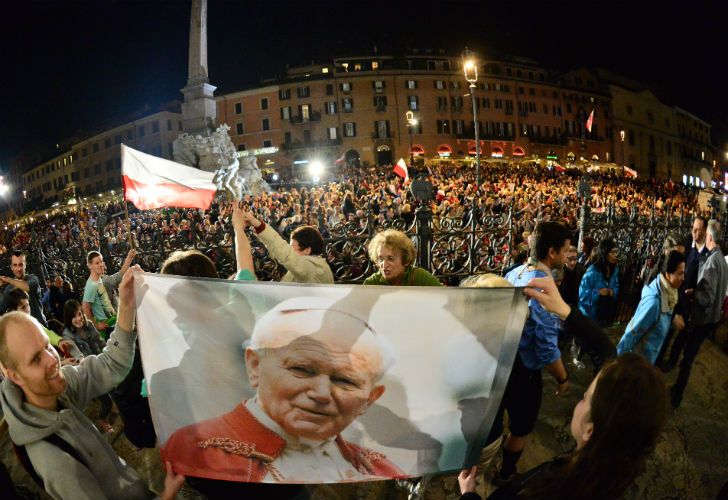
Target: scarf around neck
{"points": [[669, 294]]}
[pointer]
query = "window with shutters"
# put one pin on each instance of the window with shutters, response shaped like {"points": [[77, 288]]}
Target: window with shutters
{"points": [[456, 103], [349, 129], [458, 126], [330, 108], [382, 128]]}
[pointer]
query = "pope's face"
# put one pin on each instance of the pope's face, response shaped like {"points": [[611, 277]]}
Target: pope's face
{"points": [[312, 388]]}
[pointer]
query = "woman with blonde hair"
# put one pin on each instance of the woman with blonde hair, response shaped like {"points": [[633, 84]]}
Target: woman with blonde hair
{"points": [[394, 255]]}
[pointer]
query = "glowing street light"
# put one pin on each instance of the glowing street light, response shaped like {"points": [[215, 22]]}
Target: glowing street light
{"points": [[471, 71], [470, 68], [621, 136], [411, 124], [316, 168]]}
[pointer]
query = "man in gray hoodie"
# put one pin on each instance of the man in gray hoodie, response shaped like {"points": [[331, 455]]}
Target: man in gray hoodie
{"points": [[43, 404], [707, 310]]}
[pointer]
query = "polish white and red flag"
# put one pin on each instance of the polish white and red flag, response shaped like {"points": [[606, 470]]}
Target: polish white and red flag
{"points": [[400, 168], [630, 172], [590, 121], [151, 182]]}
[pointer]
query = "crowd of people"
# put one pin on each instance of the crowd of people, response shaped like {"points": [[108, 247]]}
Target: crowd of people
{"points": [[347, 203], [61, 348]]}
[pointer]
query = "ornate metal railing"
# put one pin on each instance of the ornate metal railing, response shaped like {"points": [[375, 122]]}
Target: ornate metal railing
{"points": [[639, 237], [451, 248]]}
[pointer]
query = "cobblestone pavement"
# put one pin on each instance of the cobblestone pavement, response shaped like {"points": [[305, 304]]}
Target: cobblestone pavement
{"points": [[689, 461]]}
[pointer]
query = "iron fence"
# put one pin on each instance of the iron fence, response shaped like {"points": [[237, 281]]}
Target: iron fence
{"points": [[638, 237], [451, 248]]}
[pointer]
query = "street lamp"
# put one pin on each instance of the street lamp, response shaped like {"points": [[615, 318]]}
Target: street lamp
{"points": [[411, 123], [470, 68], [621, 136]]}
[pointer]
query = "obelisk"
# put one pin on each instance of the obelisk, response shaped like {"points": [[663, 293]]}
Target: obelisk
{"points": [[198, 109]]}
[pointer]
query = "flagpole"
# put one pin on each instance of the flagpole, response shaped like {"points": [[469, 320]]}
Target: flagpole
{"points": [[128, 224]]}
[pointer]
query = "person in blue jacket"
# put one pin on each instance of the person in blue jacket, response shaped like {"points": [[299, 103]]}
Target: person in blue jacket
{"points": [[538, 348], [600, 284], [651, 321]]}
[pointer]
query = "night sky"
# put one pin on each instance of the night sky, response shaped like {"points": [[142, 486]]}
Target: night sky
{"points": [[73, 67]]}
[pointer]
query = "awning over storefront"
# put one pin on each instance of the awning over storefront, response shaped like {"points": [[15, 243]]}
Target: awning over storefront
{"points": [[444, 151]]}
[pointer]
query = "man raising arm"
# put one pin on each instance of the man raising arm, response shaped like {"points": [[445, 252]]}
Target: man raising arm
{"points": [[43, 405]]}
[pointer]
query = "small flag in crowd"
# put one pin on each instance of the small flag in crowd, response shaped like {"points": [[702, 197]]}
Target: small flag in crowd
{"points": [[341, 158], [401, 169], [151, 182], [590, 121], [630, 172]]}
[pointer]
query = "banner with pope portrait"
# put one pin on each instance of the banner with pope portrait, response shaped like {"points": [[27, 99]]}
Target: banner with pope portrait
{"points": [[270, 382]]}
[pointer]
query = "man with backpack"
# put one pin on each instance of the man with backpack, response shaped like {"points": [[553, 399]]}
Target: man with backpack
{"points": [[43, 404]]}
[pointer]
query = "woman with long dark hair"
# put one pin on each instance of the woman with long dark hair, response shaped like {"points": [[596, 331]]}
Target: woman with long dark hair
{"points": [[84, 334], [80, 330], [600, 284], [615, 426]]}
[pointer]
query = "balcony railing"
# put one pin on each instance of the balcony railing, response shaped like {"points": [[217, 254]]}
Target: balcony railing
{"points": [[324, 143], [313, 116], [376, 135], [556, 141], [484, 136]]}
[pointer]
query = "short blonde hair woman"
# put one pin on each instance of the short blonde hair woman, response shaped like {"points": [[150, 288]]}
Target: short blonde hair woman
{"points": [[394, 254]]}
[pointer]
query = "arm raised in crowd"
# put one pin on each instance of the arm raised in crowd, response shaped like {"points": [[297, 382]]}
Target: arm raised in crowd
{"points": [[545, 291], [114, 280], [300, 266], [243, 252]]}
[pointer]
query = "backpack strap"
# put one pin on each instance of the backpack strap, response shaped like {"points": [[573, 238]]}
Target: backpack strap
{"points": [[22, 454]]}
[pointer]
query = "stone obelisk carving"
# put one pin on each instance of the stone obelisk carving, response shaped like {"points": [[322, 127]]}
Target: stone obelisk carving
{"points": [[198, 110], [201, 144]]}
